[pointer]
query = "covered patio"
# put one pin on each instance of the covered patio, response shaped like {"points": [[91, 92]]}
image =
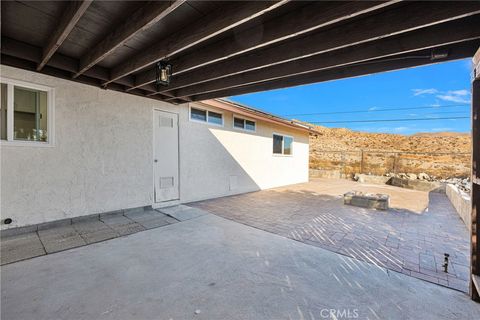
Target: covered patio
{"points": [[213, 49]]}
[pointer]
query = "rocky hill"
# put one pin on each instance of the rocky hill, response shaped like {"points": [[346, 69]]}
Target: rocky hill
{"points": [[443, 154], [345, 139]]}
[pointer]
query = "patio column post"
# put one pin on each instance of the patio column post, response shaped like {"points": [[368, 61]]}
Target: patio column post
{"points": [[475, 247]]}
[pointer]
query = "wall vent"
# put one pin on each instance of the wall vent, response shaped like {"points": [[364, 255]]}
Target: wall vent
{"points": [[166, 182]]}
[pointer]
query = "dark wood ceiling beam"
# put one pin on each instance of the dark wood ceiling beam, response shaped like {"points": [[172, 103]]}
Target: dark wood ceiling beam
{"points": [[456, 52], [439, 35], [292, 24], [139, 21], [73, 12], [31, 53], [218, 21], [175, 101], [63, 74], [15, 61], [152, 91], [386, 24], [67, 65]]}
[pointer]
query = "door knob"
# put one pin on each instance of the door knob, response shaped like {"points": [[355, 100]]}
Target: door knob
{"points": [[155, 160]]}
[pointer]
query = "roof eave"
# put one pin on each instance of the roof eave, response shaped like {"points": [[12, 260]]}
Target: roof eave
{"points": [[248, 111]]}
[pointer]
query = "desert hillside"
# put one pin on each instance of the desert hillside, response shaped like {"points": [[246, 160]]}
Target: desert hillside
{"points": [[443, 154], [345, 139]]}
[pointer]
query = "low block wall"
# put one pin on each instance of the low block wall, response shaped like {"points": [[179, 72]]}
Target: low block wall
{"points": [[328, 174], [461, 202]]}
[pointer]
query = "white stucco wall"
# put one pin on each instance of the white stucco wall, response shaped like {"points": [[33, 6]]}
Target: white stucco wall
{"points": [[103, 152], [246, 155]]}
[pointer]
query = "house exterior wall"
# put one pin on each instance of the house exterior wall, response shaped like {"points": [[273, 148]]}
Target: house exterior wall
{"points": [[102, 157], [246, 157]]}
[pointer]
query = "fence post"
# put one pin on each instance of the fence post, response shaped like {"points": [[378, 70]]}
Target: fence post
{"points": [[395, 163], [361, 162]]}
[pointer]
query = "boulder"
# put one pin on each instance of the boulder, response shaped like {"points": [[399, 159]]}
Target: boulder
{"points": [[367, 178], [423, 176], [411, 176]]}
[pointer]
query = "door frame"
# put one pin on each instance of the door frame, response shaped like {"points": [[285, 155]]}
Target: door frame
{"points": [[174, 201]]}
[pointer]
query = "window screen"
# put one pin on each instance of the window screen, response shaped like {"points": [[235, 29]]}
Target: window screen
{"points": [[215, 118], [206, 116], [30, 114], [249, 125], [197, 114], [238, 123], [277, 144], [25, 112], [287, 145], [244, 124], [282, 144]]}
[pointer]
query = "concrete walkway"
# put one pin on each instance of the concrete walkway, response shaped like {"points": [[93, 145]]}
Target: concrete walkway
{"points": [[406, 239], [71, 233], [212, 268]]}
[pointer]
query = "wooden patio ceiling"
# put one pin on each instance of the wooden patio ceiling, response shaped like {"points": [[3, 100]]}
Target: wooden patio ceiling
{"points": [[224, 48]]}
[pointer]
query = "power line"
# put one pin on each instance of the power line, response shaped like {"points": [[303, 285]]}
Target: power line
{"points": [[376, 110], [458, 113], [442, 112], [388, 120]]}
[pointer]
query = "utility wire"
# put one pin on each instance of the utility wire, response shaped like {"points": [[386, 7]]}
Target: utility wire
{"points": [[387, 120], [376, 110], [458, 113], [442, 112]]}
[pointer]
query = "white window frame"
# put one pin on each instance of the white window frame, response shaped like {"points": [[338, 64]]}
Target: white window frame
{"points": [[10, 112], [207, 111], [244, 122], [283, 145]]}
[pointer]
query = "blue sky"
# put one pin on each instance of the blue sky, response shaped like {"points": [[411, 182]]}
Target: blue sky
{"points": [[434, 91]]}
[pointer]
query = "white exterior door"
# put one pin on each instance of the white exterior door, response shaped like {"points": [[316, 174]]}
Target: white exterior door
{"points": [[166, 156]]}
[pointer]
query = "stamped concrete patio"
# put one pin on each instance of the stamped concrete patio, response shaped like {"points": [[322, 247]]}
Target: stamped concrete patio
{"points": [[409, 238]]}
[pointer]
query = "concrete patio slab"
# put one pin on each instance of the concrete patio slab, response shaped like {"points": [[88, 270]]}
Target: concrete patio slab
{"points": [[121, 224], [212, 268], [19, 247], [61, 238], [94, 231], [66, 234], [150, 219], [405, 239], [182, 212]]}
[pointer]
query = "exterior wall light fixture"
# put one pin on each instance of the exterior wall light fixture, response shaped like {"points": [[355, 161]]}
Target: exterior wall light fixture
{"points": [[163, 71]]}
